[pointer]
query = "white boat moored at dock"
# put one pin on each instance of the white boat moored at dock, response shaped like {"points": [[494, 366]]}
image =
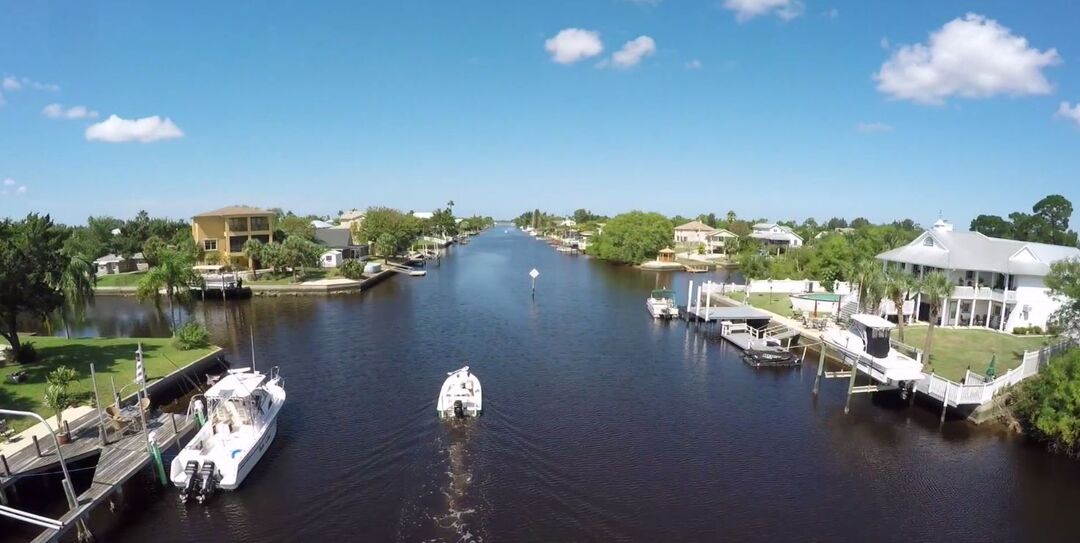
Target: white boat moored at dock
{"points": [[240, 423], [460, 396], [661, 304], [866, 345]]}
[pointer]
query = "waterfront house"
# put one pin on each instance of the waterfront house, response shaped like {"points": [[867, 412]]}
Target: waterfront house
{"points": [[568, 223], [998, 283], [351, 217], [110, 264], [226, 230], [775, 235], [339, 239], [841, 231], [696, 234], [423, 215]]}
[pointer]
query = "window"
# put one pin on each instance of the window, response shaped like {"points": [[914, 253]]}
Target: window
{"points": [[260, 223], [236, 243], [238, 224], [928, 241], [209, 244], [263, 238]]}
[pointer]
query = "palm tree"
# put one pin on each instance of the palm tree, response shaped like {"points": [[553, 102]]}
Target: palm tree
{"points": [[173, 274], [253, 250], [935, 289], [76, 284], [868, 276], [898, 286]]}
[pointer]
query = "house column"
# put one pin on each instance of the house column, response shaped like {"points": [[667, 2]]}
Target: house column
{"points": [[944, 311], [1001, 320], [918, 299], [956, 317], [971, 316]]}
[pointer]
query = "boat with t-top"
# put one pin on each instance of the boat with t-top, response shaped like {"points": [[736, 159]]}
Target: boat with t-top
{"points": [[460, 395], [239, 421], [661, 304]]}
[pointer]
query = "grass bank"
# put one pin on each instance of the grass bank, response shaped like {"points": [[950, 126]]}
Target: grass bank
{"points": [[310, 274], [120, 279], [777, 303], [957, 349], [112, 357]]}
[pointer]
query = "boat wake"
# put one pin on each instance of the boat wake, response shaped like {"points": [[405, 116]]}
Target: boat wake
{"points": [[450, 506]]}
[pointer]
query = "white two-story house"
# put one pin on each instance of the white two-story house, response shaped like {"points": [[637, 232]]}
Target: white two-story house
{"points": [[696, 234], [776, 235], [998, 283]]}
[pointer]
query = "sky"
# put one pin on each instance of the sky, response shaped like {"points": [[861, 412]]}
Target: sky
{"points": [[776, 109]]}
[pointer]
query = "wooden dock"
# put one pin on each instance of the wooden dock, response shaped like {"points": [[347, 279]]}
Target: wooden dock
{"points": [[119, 460]]}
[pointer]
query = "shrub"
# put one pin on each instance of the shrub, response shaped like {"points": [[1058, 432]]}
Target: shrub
{"points": [[1047, 406], [1035, 330], [352, 269], [26, 354], [191, 335], [1020, 330]]}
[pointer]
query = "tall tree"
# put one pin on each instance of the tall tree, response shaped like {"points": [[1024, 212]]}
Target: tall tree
{"points": [[1064, 284], [898, 287], [31, 264], [392, 231], [632, 238], [76, 285], [174, 275], [935, 289], [867, 275], [993, 226]]}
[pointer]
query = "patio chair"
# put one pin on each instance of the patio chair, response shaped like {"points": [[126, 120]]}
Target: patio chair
{"points": [[6, 431], [117, 421]]}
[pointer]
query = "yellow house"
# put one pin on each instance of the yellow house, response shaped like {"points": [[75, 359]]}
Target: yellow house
{"points": [[226, 230]]}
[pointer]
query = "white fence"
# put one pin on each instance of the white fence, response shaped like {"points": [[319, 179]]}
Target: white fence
{"points": [[780, 286], [977, 390]]}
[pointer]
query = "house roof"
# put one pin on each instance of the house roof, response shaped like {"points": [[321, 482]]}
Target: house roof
{"points": [[109, 258], [352, 215], [667, 251], [695, 226], [334, 237], [320, 224], [230, 211], [722, 233], [975, 251]]}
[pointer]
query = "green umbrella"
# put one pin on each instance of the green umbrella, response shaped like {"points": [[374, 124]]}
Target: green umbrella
{"points": [[991, 371]]}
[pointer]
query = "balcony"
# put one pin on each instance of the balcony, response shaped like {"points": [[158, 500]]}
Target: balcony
{"points": [[984, 293]]}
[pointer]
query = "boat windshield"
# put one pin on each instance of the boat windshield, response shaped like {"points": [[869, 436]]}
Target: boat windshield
{"points": [[661, 293]]}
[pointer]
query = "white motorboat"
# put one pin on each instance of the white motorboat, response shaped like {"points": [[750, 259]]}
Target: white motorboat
{"points": [[661, 304], [867, 342], [460, 395], [239, 422]]}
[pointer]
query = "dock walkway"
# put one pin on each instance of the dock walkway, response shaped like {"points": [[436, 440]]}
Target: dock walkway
{"points": [[118, 462]]}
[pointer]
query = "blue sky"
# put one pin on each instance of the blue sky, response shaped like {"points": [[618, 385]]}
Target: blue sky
{"points": [[767, 107]]}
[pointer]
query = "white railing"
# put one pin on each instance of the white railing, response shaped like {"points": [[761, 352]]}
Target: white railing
{"points": [[984, 293], [977, 390]]}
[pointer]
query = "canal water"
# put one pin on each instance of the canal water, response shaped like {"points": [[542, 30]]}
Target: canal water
{"points": [[600, 425]]}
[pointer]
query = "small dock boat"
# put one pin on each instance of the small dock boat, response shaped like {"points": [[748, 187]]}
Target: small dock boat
{"points": [[240, 421], [460, 395], [661, 304]]}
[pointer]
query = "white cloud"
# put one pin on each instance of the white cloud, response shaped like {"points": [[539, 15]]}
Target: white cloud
{"points": [[144, 130], [633, 51], [873, 128], [972, 57], [57, 111], [571, 45], [748, 9], [694, 64], [13, 83], [9, 187], [1072, 113]]}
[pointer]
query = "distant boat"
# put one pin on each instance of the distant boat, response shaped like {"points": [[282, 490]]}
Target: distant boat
{"points": [[661, 304], [240, 416], [460, 395]]}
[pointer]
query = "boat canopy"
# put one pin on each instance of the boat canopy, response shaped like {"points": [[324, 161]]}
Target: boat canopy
{"points": [[663, 293], [235, 384], [872, 321]]}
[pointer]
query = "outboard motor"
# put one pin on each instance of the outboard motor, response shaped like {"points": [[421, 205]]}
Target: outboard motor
{"points": [[459, 409], [192, 486], [903, 385], [209, 481]]}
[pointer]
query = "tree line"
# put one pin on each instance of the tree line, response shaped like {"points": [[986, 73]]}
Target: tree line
{"points": [[1048, 222]]}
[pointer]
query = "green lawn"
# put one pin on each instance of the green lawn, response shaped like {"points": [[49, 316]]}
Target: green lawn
{"points": [[120, 279], [112, 357], [954, 350], [777, 303], [310, 274]]}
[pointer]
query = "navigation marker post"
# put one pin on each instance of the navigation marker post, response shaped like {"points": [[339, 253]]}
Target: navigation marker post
{"points": [[534, 274]]}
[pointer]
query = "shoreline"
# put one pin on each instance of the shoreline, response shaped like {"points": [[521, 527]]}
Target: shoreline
{"points": [[314, 288]]}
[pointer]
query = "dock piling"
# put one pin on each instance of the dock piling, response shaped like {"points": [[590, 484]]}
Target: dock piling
{"points": [[37, 447], [4, 464], [820, 369], [851, 386]]}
